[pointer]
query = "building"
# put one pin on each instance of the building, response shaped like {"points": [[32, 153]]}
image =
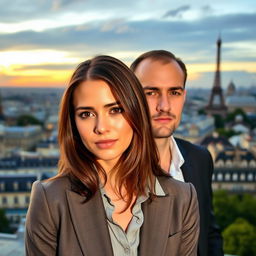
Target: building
{"points": [[231, 90], [28, 165], [17, 137], [48, 147], [14, 195], [2, 148], [235, 171], [216, 144], [245, 102], [195, 127]]}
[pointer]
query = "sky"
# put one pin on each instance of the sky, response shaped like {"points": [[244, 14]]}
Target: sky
{"points": [[42, 41]]}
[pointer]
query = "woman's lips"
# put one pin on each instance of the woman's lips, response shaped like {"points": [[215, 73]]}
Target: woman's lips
{"points": [[105, 144]]}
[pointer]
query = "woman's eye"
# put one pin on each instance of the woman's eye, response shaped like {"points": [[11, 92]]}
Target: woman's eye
{"points": [[116, 110], [86, 114]]}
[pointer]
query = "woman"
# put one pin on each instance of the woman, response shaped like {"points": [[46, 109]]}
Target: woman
{"points": [[110, 196]]}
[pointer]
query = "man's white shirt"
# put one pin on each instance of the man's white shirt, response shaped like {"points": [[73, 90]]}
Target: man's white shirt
{"points": [[177, 161]]}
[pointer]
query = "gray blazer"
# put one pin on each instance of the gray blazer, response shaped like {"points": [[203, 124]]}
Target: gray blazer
{"points": [[59, 222]]}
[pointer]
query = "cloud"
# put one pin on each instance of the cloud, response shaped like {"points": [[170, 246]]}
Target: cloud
{"points": [[46, 67], [59, 4], [191, 40], [119, 26], [176, 12], [207, 8]]}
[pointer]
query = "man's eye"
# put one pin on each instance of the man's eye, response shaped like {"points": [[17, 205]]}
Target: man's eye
{"points": [[176, 93], [116, 110], [150, 93]]}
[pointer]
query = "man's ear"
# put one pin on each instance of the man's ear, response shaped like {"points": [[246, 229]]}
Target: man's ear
{"points": [[185, 94]]}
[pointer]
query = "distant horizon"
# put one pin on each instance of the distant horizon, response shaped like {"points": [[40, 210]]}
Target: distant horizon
{"points": [[42, 42], [63, 88]]}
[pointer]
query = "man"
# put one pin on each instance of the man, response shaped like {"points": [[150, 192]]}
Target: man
{"points": [[163, 77]]}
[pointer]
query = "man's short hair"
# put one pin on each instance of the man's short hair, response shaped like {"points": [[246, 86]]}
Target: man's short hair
{"points": [[160, 55]]}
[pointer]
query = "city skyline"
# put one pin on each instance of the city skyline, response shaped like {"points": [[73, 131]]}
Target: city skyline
{"points": [[41, 43]]}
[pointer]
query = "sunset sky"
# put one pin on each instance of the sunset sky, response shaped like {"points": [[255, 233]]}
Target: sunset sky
{"points": [[42, 41]]}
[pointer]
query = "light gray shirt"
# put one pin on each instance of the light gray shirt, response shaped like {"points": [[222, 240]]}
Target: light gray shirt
{"points": [[127, 243]]}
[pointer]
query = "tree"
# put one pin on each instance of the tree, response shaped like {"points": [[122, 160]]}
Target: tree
{"points": [[4, 222], [247, 208], [240, 238], [230, 207], [219, 121], [225, 208], [227, 132], [201, 111], [25, 120], [232, 116]]}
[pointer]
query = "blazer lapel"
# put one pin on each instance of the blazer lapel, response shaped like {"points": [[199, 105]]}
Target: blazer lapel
{"points": [[154, 231], [90, 224], [187, 168]]}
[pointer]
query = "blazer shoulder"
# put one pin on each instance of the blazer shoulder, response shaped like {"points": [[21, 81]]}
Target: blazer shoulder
{"points": [[190, 147], [54, 187], [175, 187]]}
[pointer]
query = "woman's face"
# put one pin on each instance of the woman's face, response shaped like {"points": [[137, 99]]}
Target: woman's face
{"points": [[100, 122]]}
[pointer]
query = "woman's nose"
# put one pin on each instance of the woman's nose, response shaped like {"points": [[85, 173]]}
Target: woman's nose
{"points": [[102, 125]]}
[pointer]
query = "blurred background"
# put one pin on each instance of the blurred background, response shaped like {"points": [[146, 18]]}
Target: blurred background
{"points": [[43, 41]]}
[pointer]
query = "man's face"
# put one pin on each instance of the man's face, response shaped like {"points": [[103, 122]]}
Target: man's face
{"points": [[163, 85]]}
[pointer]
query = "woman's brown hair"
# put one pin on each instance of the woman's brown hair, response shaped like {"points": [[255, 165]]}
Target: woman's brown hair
{"points": [[138, 165]]}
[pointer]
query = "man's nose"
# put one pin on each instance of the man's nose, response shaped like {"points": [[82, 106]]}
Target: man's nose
{"points": [[163, 104]]}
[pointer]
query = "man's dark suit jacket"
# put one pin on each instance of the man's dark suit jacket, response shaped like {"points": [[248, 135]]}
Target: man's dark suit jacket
{"points": [[198, 169]]}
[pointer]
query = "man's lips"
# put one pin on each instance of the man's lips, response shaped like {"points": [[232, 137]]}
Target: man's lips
{"points": [[105, 144], [163, 119]]}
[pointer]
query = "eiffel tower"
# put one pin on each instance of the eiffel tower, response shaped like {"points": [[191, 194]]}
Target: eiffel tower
{"points": [[1, 110], [216, 105]]}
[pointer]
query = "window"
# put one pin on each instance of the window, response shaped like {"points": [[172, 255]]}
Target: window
{"points": [[252, 163], [27, 199], [244, 164], [4, 200], [16, 200], [29, 185], [219, 177], [229, 163], [235, 176], [15, 185], [227, 176], [250, 177], [220, 163], [2, 186], [242, 177]]}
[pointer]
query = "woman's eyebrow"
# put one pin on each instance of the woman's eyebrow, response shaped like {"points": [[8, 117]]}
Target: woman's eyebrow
{"points": [[92, 108], [83, 108], [112, 104]]}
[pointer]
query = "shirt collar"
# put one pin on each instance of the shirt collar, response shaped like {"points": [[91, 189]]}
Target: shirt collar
{"points": [[177, 158], [158, 190]]}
